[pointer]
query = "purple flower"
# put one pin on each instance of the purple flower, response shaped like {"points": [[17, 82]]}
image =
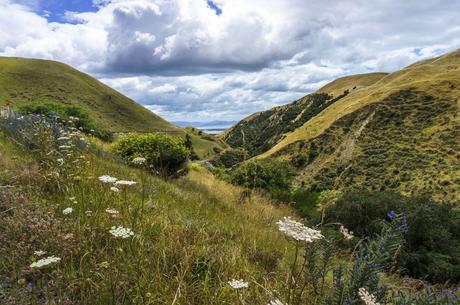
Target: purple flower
{"points": [[391, 214]]}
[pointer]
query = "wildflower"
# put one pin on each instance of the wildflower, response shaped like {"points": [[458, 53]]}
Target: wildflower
{"points": [[297, 230], [115, 189], [107, 179], [121, 232], [45, 262], [391, 214], [238, 284], [39, 253], [89, 213], [346, 234], [67, 211], [276, 302], [111, 211], [125, 182], [367, 298], [65, 146], [72, 198], [60, 161], [63, 138], [139, 161]]}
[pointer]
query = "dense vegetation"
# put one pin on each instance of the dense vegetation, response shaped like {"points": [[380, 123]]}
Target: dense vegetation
{"points": [[163, 153], [432, 249]]}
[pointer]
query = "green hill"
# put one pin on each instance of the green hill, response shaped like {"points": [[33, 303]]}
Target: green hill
{"points": [[398, 131], [24, 81]]}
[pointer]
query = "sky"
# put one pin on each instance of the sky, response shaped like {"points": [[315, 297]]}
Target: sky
{"points": [[205, 60]]}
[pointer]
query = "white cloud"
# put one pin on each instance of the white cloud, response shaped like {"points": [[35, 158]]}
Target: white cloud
{"points": [[182, 60]]}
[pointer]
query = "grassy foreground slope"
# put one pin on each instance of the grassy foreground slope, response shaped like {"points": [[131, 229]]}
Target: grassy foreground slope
{"points": [[192, 236], [24, 80]]}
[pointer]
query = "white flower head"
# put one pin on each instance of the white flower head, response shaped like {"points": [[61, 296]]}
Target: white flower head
{"points": [[345, 233], [45, 262], [89, 213], [125, 183], [367, 298], [111, 211], [39, 253], [67, 211], [107, 179], [72, 198], [120, 232], [115, 189], [60, 161], [298, 231], [139, 161], [238, 284], [276, 302], [63, 138]]}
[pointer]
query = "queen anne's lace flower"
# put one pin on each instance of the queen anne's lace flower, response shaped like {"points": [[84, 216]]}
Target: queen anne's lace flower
{"points": [[115, 189], [111, 211], [107, 179], [276, 302], [39, 253], [345, 233], [121, 232], [63, 138], [67, 211], [139, 161], [238, 284], [367, 298], [125, 182], [45, 262], [297, 230]]}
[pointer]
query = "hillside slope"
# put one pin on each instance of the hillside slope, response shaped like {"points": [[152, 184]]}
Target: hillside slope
{"points": [[401, 132], [25, 80]]}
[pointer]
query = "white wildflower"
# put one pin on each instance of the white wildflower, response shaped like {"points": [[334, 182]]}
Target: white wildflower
{"points": [[367, 298], [89, 213], [67, 211], [297, 230], [45, 262], [115, 189], [238, 284], [72, 198], [65, 147], [125, 182], [276, 302], [111, 211], [346, 234], [121, 232], [39, 253], [60, 161], [63, 138], [139, 161], [107, 179]]}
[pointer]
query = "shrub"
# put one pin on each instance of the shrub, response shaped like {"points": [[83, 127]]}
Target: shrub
{"points": [[85, 121], [271, 175], [433, 239], [164, 154], [229, 158]]}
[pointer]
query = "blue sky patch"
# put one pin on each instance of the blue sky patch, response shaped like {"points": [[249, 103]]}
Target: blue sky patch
{"points": [[54, 10], [214, 7]]}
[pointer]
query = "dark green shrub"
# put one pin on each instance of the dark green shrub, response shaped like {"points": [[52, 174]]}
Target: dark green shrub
{"points": [[432, 250], [229, 158], [64, 111], [164, 154], [271, 175]]}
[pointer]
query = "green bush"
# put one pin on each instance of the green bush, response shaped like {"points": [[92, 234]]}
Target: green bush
{"points": [[432, 250], [165, 154], [272, 175], [229, 158], [63, 111]]}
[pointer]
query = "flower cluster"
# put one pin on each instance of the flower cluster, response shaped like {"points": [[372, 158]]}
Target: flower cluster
{"points": [[125, 182], [45, 262], [238, 284], [298, 231], [276, 302], [367, 298], [345, 233], [111, 211], [121, 232], [139, 161], [115, 189], [107, 179], [39, 253], [67, 211]]}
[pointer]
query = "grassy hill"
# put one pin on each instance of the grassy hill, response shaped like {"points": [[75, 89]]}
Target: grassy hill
{"points": [[25, 81], [398, 131]]}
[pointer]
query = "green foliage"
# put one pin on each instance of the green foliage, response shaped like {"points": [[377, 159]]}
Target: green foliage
{"points": [[164, 154], [85, 122], [229, 158], [433, 238], [268, 174]]}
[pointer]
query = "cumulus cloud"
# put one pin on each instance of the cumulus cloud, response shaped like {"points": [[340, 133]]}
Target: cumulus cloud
{"points": [[189, 59]]}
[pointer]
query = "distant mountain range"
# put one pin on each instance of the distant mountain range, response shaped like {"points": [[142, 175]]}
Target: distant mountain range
{"points": [[379, 131]]}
